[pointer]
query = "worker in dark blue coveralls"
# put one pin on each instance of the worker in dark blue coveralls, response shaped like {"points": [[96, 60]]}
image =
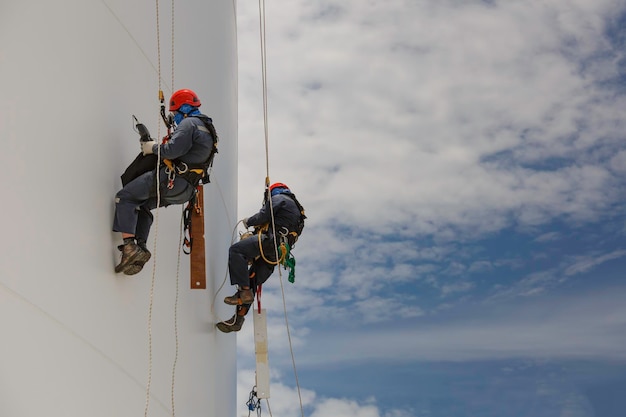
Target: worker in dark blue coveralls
{"points": [[246, 265], [190, 143]]}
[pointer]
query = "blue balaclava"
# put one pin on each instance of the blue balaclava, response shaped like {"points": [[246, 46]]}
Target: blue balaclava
{"points": [[280, 190], [184, 111]]}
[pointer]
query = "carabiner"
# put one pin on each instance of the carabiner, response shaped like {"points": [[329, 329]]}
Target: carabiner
{"points": [[182, 171], [171, 175]]}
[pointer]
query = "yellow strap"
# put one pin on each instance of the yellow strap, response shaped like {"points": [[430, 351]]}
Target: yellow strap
{"points": [[169, 164], [283, 250]]}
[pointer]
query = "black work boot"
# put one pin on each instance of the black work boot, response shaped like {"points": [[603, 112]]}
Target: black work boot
{"points": [[240, 297], [140, 261], [131, 253], [231, 325]]}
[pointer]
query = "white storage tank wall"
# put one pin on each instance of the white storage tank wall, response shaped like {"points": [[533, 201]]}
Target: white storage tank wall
{"points": [[74, 334]]}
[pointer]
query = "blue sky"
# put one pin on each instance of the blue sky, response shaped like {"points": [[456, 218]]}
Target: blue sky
{"points": [[462, 165]]}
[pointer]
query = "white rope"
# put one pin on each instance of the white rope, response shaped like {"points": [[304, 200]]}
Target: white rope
{"points": [[267, 183], [172, 30], [232, 240], [156, 224], [156, 228], [269, 409], [180, 245]]}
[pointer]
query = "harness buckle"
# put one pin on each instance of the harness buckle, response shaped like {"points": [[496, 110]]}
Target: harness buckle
{"points": [[283, 233], [181, 170]]}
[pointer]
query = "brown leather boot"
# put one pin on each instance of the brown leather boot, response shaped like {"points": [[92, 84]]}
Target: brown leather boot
{"points": [[131, 252], [240, 297], [231, 325], [140, 261]]}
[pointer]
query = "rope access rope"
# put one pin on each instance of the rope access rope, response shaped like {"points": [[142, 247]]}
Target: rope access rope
{"points": [[283, 250], [232, 240], [180, 245], [156, 225], [267, 184], [180, 241], [269, 409], [172, 41]]}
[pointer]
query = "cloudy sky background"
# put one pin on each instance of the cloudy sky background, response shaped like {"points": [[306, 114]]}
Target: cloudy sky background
{"points": [[462, 165]]}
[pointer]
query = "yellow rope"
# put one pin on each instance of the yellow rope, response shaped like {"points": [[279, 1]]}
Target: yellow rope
{"points": [[282, 248]]}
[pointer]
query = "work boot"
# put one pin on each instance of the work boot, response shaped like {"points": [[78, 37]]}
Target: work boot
{"points": [[131, 252], [139, 262], [142, 244], [240, 297], [231, 325]]}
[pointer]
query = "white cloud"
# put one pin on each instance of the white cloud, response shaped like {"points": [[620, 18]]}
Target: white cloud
{"points": [[542, 281], [287, 401], [548, 237], [411, 129], [378, 309], [582, 327], [406, 128], [585, 263], [344, 408], [388, 115]]}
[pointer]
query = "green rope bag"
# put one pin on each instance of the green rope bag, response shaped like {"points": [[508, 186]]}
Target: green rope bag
{"points": [[289, 261]]}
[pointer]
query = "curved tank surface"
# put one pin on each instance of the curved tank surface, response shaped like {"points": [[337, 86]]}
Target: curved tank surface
{"points": [[78, 339]]}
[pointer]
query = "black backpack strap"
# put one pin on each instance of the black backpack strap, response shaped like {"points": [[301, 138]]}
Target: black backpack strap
{"points": [[194, 173], [208, 124], [300, 226]]}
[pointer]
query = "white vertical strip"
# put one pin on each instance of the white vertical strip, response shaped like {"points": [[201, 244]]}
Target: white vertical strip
{"points": [[260, 350]]}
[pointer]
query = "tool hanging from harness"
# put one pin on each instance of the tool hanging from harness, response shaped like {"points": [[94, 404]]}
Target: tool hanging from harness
{"points": [[194, 243], [254, 403], [192, 209], [285, 257]]}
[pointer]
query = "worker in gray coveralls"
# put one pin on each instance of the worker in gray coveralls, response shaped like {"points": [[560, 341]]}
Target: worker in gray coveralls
{"points": [[190, 148], [248, 267]]}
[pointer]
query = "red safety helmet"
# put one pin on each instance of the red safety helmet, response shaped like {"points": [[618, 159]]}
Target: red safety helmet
{"points": [[278, 185], [184, 96]]}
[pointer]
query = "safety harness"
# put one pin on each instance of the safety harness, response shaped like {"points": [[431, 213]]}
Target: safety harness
{"points": [[193, 173], [286, 240], [197, 175]]}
